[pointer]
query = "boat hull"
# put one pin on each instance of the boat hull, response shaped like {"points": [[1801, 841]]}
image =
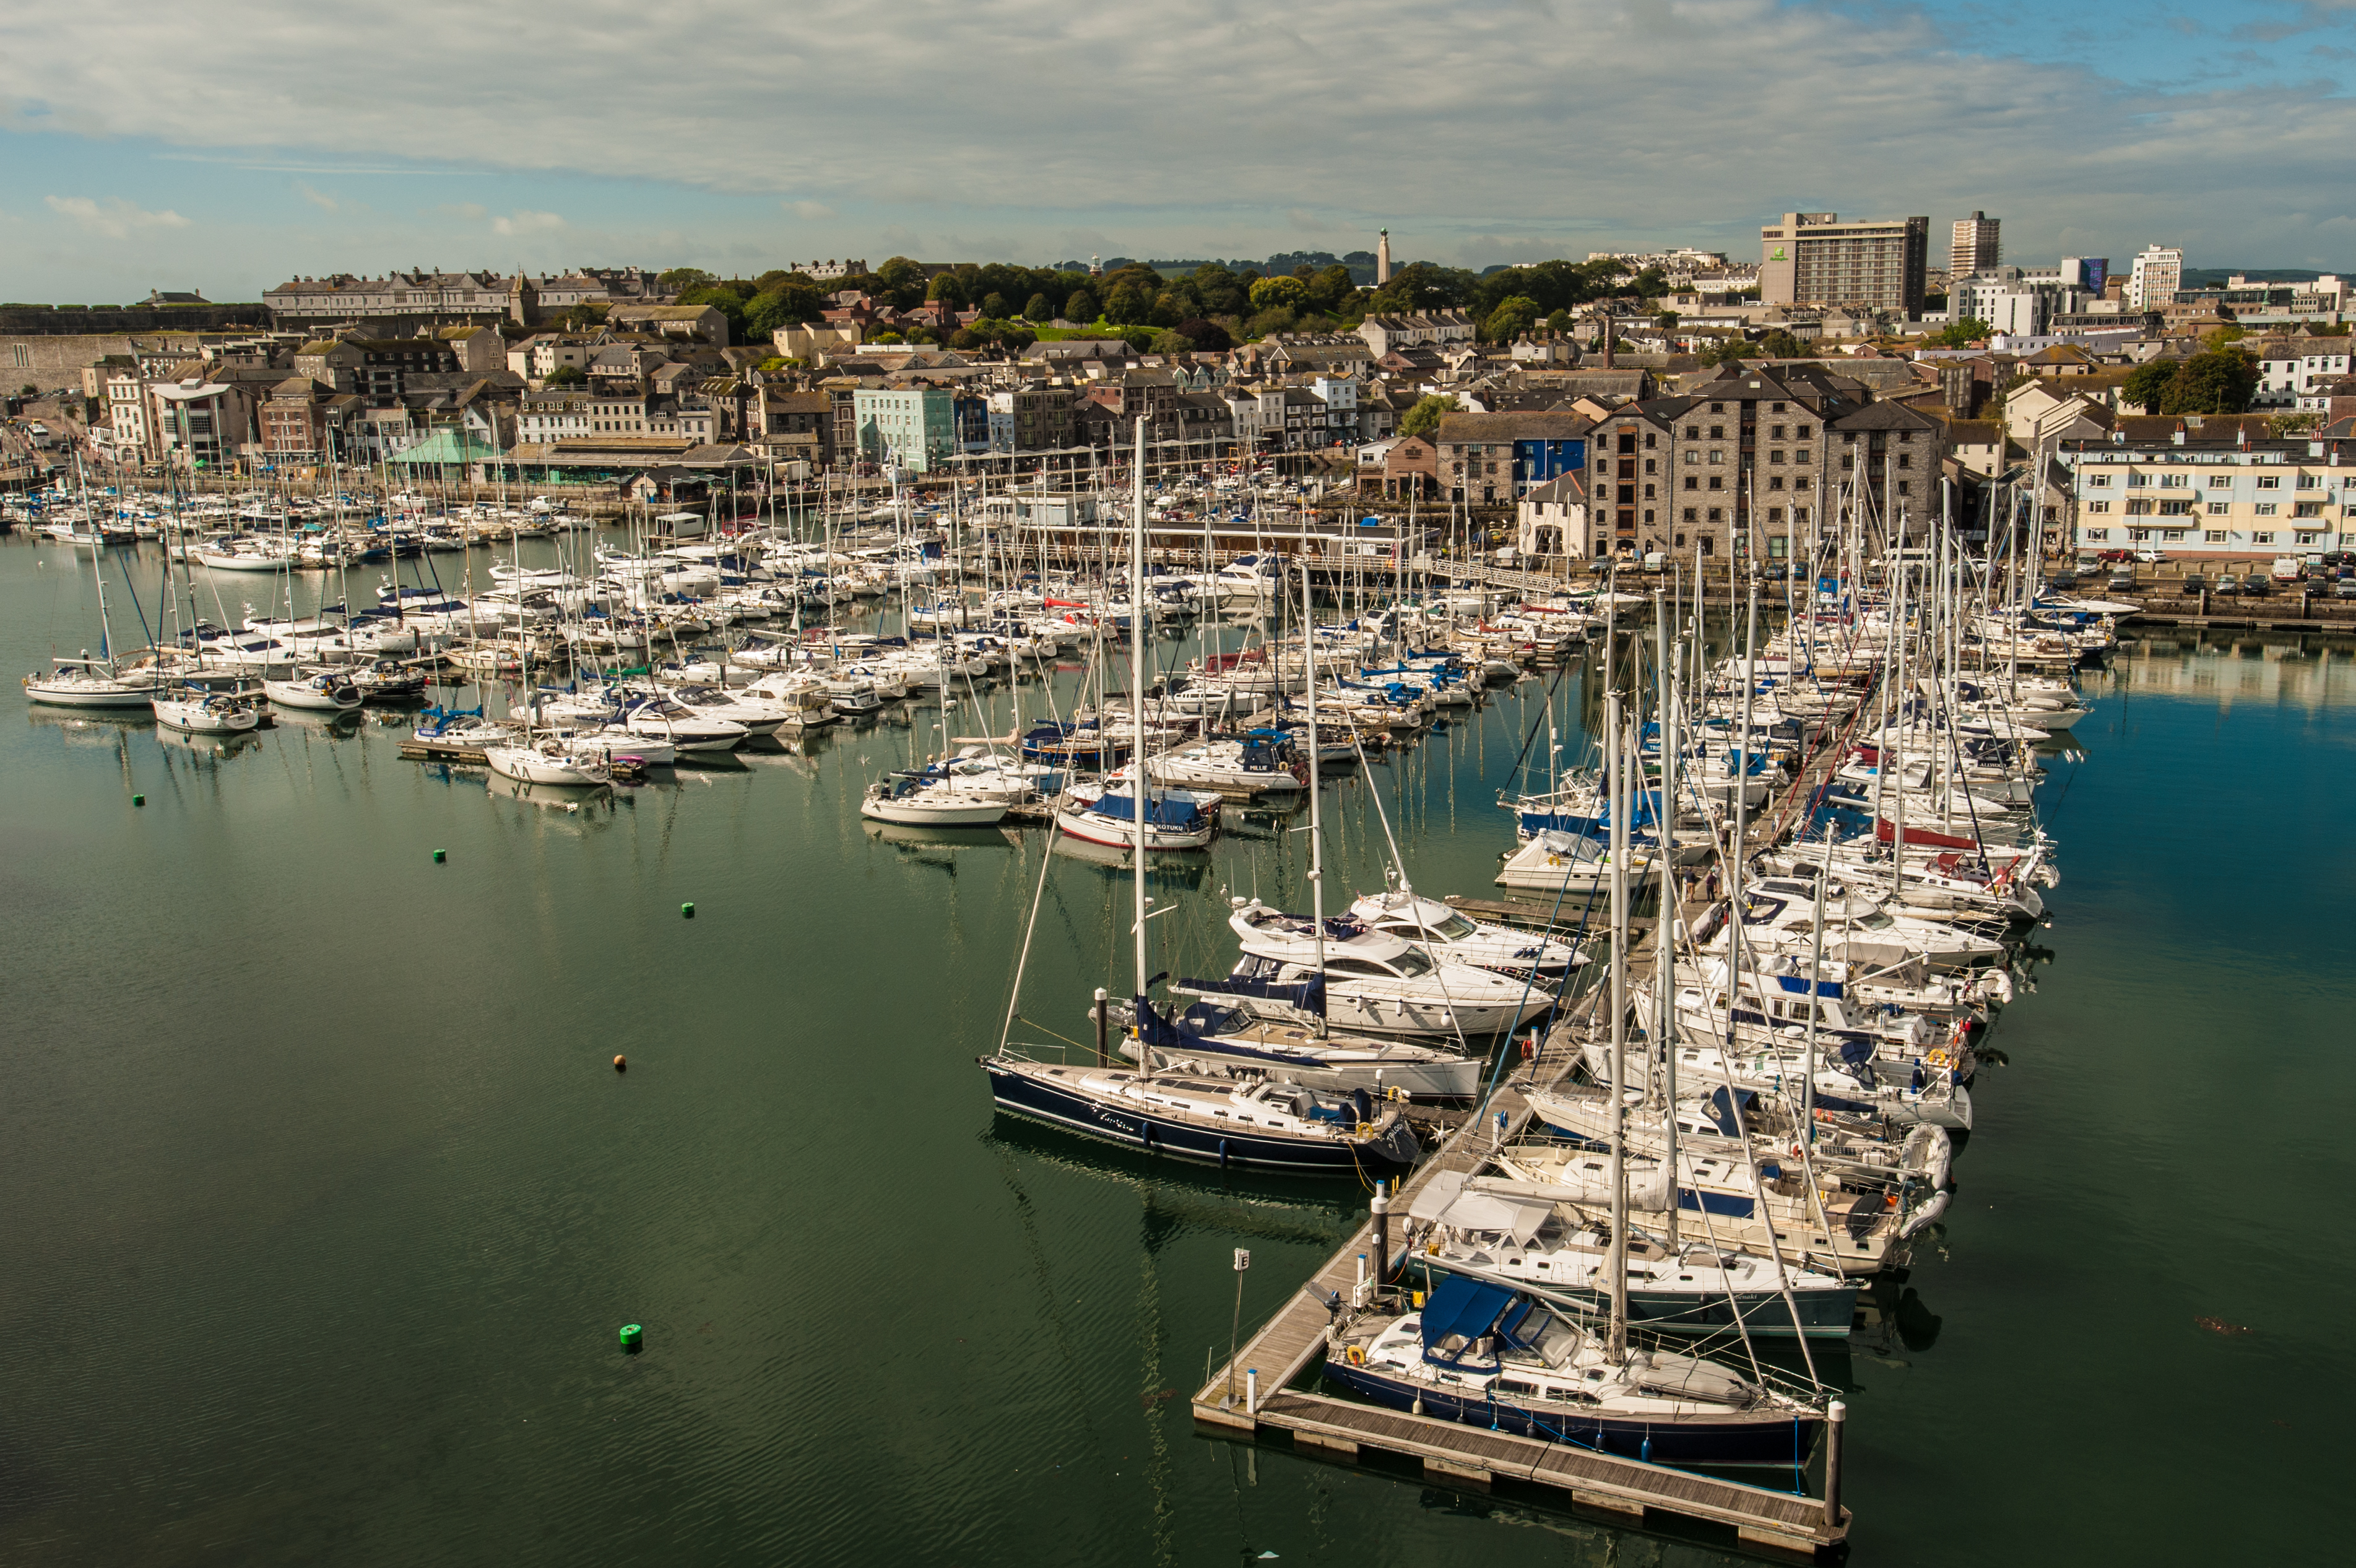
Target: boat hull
{"points": [[1770, 1437], [1824, 1314], [1024, 1094]]}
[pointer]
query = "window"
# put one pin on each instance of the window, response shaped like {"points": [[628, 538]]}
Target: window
{"points": [[1716, 515], [2137, 481], [1693, 432], [1689, 516], [1716, 408], [2307, 509], [2306, 539], [2174, 509], [1680, 544], [2261, 539], [1774, 514], [1776, 458], [2098, 533], [2270, 482], [2310, 482], [1775, 482], [2098, 506], [1903, 487], [1905, 459], [1651, 440], [2219, 481], [2212, 536], [1692, 483], [2139, 508], [1651, 466], [1717, 433], [1717, 455], [2175, 481], [2173, 536], [1801, 455], [1776, 433], [2266, 509], [1717, 483], [1799, 433]]}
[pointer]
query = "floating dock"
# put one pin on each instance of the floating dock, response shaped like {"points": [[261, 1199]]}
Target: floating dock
{"points": [[1250, 1396]]}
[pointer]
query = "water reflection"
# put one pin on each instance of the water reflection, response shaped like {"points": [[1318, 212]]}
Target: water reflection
{"points": [[2226, 667]]}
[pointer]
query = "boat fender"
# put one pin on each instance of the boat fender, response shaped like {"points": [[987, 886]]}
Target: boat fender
{"points": [[1924, 1217]]}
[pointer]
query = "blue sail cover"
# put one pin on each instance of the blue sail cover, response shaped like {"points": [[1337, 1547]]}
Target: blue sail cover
{"points": [[1463, 1307], [1308, 995], [1161, 810]]}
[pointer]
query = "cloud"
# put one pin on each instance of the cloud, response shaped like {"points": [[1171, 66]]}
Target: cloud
{"points": [[525, 221], [317, 198], [470, 210], [1590, 120], [1314, 222], [115, 219]]}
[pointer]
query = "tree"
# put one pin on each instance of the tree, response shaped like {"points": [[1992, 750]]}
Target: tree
{"points": [[566, 376], [1667, 320], [1039, 309], [1331, 287], [995, 306], [1650, 284], [1424, 418], [1208, 337], [789, 303], [900, 282], [1272, 294], [679, 278], [1558, 322], [2146, 384], [1081, 306], [1778, 343], [1510, 319], [2218, 381], [1961, 334], [947, 288]]}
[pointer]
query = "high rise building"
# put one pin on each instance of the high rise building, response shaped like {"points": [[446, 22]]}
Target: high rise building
{"points": [[1813, 258], [2089, 273], [1976, 246], [2159, 273]]}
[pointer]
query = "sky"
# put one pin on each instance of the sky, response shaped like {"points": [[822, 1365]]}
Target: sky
{"points": [[226, 146]]}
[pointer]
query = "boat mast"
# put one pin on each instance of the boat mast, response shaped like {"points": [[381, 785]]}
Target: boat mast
{"points": [[1140, 625], [1616, 774], [1665, 977], [1316, 837]]}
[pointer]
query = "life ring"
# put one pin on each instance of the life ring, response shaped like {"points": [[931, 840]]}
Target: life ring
{"points": [[1938, 1058], [1355, 1354]]}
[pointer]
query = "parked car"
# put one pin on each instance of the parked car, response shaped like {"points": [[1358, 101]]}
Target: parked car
{"points": [[2150, 556], [2226, 585], [2192, 583], [2344, 589], [2122, 582], [2340, 559], [2109, 556], [2258, 584]]}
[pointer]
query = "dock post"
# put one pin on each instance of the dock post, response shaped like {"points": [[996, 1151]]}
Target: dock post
{"points": [[1358, 1294], [1836, 1418], [1102, 1060], [1381, 1207], [1251, 1390]]}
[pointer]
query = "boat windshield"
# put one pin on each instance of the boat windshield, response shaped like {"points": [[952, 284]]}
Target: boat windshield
{"points": [[1412, 963], [1874, 922], [1455, 928]]}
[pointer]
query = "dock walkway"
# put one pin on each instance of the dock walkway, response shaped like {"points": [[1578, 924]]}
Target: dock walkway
{"points": [[1284, 1346]]}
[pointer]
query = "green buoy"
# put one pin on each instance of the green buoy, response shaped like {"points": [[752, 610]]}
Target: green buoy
{"points": [[138, 800], [687, 912], [439, 855], [633, 1336]]}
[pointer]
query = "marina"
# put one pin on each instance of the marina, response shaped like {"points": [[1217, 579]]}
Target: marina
{"points": [[1883, 847]]}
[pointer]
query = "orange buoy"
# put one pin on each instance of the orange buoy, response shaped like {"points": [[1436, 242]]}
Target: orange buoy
{"points": [[621, 1064]]}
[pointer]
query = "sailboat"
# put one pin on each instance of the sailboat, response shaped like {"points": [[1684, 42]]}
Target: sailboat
{"points": [[1197, 1111]]}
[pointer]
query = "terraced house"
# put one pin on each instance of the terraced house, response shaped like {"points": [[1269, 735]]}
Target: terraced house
{"points": [[2213, 487]]}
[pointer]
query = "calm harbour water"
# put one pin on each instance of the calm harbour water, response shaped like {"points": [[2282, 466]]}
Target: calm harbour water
{"points": [[324, 1204]]}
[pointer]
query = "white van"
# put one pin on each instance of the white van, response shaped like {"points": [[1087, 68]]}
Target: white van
{"points": [[2287, 569]]}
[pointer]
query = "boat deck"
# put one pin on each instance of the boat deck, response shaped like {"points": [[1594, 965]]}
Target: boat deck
{"points": [[1287, 1345]]}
